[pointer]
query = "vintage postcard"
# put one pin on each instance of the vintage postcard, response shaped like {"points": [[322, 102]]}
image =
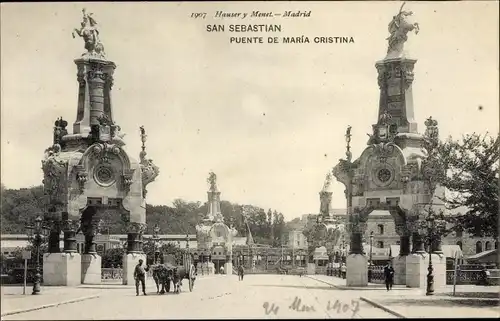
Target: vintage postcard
{"points": [[249, 160]]}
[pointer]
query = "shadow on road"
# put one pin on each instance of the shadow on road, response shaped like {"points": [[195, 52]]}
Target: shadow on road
{"points": [[329, 288], [465, 302], [487, 295]]}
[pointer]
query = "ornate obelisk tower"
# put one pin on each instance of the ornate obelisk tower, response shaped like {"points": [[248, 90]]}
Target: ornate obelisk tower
{"points": [[89, 172], [391, 172], [326, 232], [213, 232]]}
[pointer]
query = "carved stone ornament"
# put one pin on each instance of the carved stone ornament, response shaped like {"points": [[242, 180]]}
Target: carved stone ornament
{"points": [[128, 178], [81, 177], [149, 173], [71, 225], [55, 171], [138, 228], [384, 151], [402, 229]]}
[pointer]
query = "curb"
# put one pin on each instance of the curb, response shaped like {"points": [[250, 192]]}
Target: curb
{"points": [[380, 306], [332, 285], [50, 305]]}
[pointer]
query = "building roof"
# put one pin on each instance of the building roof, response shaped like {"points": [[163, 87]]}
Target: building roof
{"points": [[448, 250], [482, 254]]}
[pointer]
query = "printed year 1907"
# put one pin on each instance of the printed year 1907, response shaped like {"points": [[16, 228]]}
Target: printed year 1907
{"points": [[198, 15]]}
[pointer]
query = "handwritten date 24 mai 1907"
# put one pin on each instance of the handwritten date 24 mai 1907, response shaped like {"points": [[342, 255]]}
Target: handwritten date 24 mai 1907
{"points": [[297, 305]]}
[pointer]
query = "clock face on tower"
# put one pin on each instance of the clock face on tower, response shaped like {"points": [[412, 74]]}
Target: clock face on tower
{"points": [[384, 175]]}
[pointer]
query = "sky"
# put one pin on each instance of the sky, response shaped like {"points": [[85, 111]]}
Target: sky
{"points": [[268, 119]]}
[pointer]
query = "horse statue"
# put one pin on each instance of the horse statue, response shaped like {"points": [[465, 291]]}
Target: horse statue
{"points": [[399, 28], [90, 34]]}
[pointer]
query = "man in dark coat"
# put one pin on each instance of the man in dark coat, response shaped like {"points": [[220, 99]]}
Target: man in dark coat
{"points": [[140, 277], [389, 276]]}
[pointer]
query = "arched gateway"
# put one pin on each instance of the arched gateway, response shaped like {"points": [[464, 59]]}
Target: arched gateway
{"points": [[391, 173], [88, 172]]}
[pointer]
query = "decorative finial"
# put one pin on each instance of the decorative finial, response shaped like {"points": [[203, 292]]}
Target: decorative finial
{"points": [[212, 181], [385, 118], [399, 28], [328, 181], [143, 153], [90, 34], [348, 141], [432, 130]]}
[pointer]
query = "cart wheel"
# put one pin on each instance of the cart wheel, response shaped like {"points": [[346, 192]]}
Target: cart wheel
{"points": [[191, 278], [168, 286]]}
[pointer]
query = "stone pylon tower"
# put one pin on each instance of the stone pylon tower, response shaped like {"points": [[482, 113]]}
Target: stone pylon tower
{"points": [[391, 174], [327, 231], [88, 172], [212, 231]]}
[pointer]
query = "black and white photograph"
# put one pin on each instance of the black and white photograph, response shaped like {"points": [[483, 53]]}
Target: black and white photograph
{"points": [[249, 160]]}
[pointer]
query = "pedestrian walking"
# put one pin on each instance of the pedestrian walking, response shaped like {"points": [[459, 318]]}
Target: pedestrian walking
{"points": [[140, 277], [241, 272], [343, 270], [389, 276], [221, 271]]}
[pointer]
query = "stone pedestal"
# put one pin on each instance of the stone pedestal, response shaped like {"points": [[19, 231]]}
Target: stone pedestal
{"points": [[206, 268], [311, 268], [357, 270], [130, 260], [228, 268], [91, 269], [416, 270], [62, 269], [399, 265]]}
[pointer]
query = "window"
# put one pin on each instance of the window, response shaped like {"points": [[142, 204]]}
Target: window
{"points": [[380, 244], [479, 247], [459, 243], [298, 243], [380, 229], [398, 242], [496, 245], [487, 246]]}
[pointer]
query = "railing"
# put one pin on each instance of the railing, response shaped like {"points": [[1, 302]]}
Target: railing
{"points": [[467, 274], [111, 274], [463, 276]]}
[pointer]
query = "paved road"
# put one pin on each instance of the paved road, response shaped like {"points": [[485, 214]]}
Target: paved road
{"points": [[258, 296]]}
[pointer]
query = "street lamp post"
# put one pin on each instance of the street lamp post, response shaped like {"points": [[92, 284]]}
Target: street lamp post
{"points": [[36, 232], [370, 266], [430, 276], [156, 238]]}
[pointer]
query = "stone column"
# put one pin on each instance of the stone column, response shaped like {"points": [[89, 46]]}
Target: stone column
{"points": [[356, 262], [54, 237], [418, 245], [399, 262], [69, 228], [62, 269], [91, 261], [134, 253]]}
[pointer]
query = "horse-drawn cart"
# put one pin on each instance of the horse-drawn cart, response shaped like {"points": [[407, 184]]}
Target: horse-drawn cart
{"points": [[170, 271]]}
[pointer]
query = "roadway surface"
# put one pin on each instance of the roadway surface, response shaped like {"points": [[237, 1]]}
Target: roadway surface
{"points": [[220, 297]]}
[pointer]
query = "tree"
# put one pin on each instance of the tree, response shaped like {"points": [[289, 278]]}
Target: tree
{"points": [[112, 257], [472, 180]]}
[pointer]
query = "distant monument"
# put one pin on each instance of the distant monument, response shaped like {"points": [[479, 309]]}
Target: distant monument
{"points": [[88, 172], [390, 173], [214, 238], [327, 231]]}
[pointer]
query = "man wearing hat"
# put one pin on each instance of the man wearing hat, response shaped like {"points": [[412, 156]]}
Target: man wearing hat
{"points": [[140, 276]]}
